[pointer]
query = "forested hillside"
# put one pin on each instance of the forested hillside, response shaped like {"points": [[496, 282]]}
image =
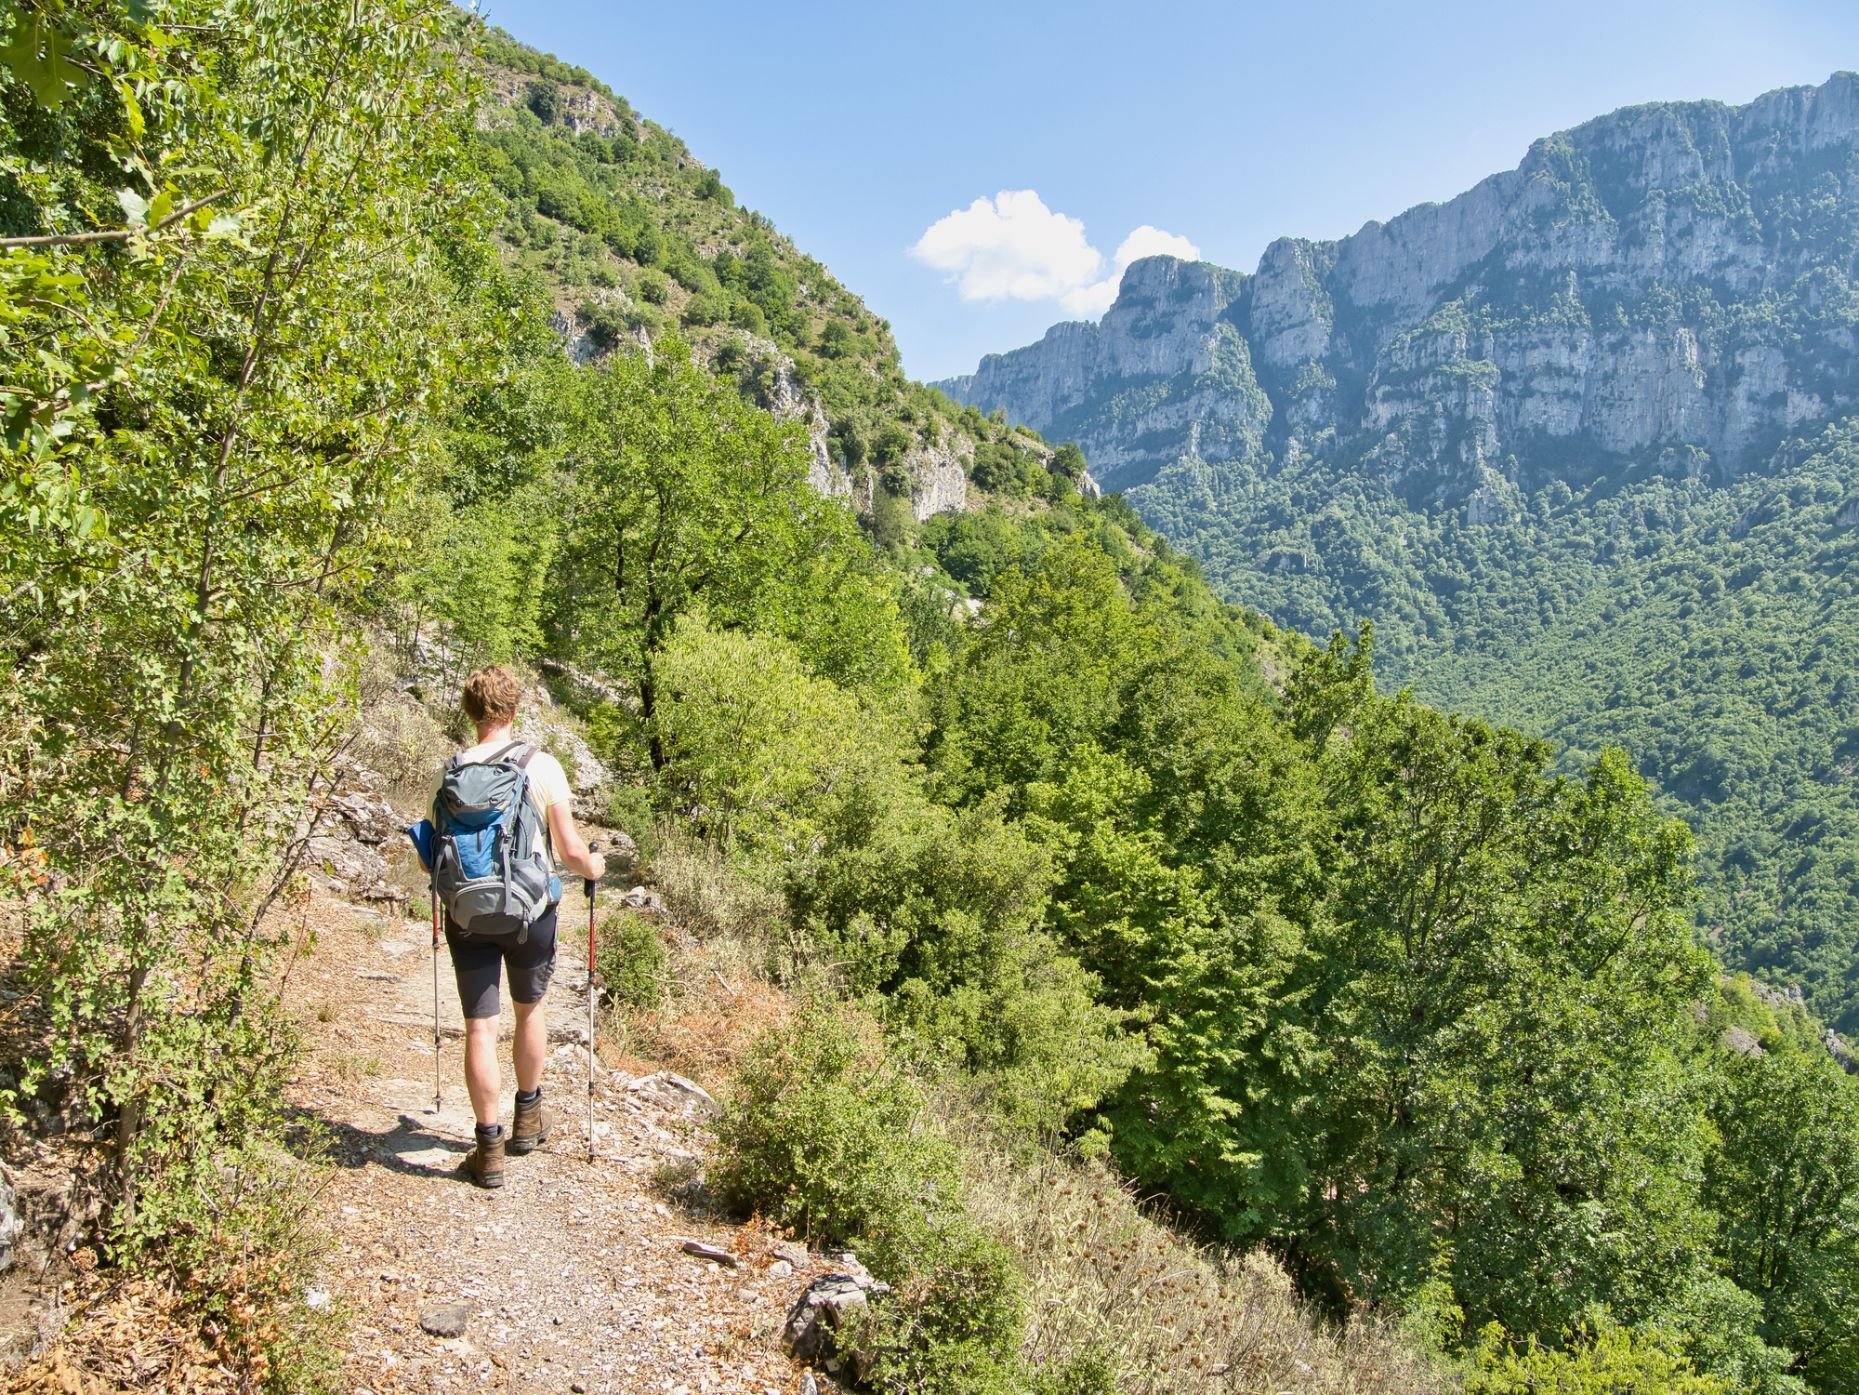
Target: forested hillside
{"points": [[1077, 877], [1712, 630], [1576, 441]]}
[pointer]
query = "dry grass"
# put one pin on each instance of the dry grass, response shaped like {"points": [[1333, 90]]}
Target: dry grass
{"points": [[352, 1067], [1171, 1316], [721, 934], [734, 916], [396, 735]]}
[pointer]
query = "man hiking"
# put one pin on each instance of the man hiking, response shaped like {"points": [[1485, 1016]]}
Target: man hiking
{"points": [[501, 809]]}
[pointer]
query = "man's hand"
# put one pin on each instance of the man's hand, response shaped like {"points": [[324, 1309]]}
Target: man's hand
{"points": [[571, 848]]}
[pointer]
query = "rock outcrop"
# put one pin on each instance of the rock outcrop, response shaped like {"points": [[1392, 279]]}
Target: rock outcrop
{"points": [[1670, 276], [827, 1310]]}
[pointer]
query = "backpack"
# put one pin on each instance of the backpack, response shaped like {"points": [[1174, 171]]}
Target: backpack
{"points": [[493, 864]]}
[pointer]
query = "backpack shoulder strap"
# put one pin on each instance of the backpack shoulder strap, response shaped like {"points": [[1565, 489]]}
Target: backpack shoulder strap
{"points": [[501, 756]]}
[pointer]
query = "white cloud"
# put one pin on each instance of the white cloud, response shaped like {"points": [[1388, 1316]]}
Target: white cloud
{"points": [[1012, 247]]}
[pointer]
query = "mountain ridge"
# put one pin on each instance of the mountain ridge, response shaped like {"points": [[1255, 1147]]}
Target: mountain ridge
{"points": [[1576, 441], [1365, 310]]}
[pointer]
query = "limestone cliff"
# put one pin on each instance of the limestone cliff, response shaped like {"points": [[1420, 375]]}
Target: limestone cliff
{"points": [[1681, 275]]}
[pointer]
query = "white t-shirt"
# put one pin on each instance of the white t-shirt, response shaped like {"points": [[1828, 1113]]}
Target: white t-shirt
{"points": [[548, 782]]}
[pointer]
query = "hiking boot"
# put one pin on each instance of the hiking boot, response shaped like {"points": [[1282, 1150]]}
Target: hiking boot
{"points": [[531, 1127], [484, 1163]]}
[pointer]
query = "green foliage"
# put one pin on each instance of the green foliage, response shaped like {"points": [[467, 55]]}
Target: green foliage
{"points": [[762, 756], [684, 495], [211, 415], [1704, 626], [1612, 1362], [823, 1133], [478, 575], [935, 911], [1406, 997], [1786, 1182], [632, 959]]}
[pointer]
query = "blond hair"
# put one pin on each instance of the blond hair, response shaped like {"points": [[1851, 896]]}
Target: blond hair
{"points": [[491, 695]]}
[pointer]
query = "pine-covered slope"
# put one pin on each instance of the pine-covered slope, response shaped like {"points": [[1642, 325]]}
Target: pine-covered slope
{"points": [[1575, 441]]}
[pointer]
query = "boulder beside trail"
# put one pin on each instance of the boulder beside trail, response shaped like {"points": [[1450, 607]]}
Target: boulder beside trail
{"points": [[825, 1315]]}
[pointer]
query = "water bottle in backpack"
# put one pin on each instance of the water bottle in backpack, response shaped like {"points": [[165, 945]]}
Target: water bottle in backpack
{"points": [[492, 862]]}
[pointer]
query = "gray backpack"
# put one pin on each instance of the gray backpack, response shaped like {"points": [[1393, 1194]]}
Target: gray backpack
{"points": [[493, 864]]}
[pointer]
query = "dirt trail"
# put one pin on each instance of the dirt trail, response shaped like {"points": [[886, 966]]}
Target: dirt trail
{"points": [[572, 1273]]}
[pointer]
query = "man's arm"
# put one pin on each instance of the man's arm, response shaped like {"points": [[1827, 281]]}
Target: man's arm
{"points": [[570, 847]]}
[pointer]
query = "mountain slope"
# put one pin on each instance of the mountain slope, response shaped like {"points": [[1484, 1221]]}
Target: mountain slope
{"points": [[632, 235], [1574, 442]]}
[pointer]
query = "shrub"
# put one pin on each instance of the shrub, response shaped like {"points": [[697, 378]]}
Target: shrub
{"points": [[1615, 1361], [631, 958], [702, 309], [704, 892], [652, 287], [821, 1133], [604, 321], [628, 807], [953, 1326], [824, 1134], [544, 97]]}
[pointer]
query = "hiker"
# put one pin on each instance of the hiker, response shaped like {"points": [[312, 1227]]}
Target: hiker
{"points": [[495, 876]]}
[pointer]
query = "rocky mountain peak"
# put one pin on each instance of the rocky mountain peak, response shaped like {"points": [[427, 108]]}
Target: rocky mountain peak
{"points": [[1676, 275]]}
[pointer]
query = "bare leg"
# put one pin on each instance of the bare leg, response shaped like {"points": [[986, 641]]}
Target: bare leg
{"points": [[482, 1078], [531, 1045]]}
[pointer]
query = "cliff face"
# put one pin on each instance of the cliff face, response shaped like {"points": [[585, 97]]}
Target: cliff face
{"points": [[1668, 276]]}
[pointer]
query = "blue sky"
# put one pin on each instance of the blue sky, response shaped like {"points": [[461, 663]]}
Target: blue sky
{"points": [[1172, 125]]}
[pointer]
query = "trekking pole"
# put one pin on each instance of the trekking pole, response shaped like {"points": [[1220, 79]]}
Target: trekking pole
{"points": [[588, 885], [438, 1090]]}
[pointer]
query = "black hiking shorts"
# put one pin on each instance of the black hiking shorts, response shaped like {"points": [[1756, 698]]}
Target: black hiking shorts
{"points": [[479, 965]]}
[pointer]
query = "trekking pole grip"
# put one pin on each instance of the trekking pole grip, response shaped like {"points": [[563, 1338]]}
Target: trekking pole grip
{"points": [[588, 884]]}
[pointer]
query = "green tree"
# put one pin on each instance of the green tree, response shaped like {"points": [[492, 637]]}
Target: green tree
{"points": [[212, 414], [684, 495], [1785, 1181]]}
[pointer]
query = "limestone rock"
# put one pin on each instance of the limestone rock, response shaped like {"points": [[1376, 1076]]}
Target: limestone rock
{"points": [[939, 476], [1741, 1041], [368, 818], [12, 1224], [825, 1308], [1538, 316], [350, 869], [676, 1092]]}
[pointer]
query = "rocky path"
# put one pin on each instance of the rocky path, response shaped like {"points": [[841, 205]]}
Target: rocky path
{"points": [[573, 1277]]}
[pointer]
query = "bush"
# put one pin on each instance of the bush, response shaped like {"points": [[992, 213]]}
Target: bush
{"points": [[604, 321], [822, 1133], [543, 96], [702, 309], [652, 287], [628, 807], [953, 1326], [1616, 1361], [630, 958]]}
